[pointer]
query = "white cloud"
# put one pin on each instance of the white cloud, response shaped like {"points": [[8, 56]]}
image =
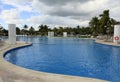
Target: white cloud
{"points": [[59, 12], [10, 15], [21, 5], [53, 20], [114, 9], [70, 8]]}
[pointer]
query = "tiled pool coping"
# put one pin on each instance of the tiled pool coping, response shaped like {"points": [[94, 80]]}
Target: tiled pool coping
{"points": [[13, 73]]}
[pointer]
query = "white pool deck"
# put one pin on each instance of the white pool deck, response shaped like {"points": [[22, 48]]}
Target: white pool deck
{"points": [[13, 73]]}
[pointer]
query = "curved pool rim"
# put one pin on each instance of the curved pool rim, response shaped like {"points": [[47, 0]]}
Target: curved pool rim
{"points": [[12, 49], [106, 44], [24, 72]]}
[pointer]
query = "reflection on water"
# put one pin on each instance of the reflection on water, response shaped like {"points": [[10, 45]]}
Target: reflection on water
{"points": [[70, 56]]}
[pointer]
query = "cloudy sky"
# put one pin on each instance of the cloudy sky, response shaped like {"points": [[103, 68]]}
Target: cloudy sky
{"points": [[55, 12]]}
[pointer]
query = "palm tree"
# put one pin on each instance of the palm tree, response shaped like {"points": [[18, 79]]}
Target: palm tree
{"points": [[105, 24], [43, 29], [31, 30], [1, 28], [111, 28], [18, 31], [25, 29], [94, 24]]}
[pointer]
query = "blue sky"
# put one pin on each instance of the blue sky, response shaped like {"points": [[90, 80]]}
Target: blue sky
{"points": [[55, 13]]}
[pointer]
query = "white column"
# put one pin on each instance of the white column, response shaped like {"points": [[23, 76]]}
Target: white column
{"points": [[64, 34], [12, 33], [116, 34], [50, 34]]}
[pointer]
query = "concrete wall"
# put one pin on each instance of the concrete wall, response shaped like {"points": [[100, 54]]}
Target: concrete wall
{"points": [[50, 34], [116, 33], [64, 34], [12, 33]]}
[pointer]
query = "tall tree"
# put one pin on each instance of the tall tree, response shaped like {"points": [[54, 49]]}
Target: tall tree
{"points": [[25, 29], [18, 31], [1, 28], [31, 31], [112, 24], [5, 32], [94, 24], [43, 29], [105, 24], [55, 30], [78, 30], [61, 30]]}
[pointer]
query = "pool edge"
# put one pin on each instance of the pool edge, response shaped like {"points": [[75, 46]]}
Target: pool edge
{"points": [[107, 43]]}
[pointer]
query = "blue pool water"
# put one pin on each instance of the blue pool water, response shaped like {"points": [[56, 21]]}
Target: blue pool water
{"points": [[69, 56]]}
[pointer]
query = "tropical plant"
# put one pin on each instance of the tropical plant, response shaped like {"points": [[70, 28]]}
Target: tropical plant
{"points": [[1, 28], [105, 23], [94, 24], [18, 31], [25, 29], [43, 29], [31, 31]]}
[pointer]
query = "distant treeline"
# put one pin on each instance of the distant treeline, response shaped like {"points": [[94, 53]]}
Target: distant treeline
{"points": [[44, 29], [100, 25]]}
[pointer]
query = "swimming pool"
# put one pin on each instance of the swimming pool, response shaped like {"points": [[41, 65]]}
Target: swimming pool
{"points": [[69, 56]]}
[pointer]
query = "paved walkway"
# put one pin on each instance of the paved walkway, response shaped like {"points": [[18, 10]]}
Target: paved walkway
{"points": [[3, 75], [1, 80], [12, 80]]}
